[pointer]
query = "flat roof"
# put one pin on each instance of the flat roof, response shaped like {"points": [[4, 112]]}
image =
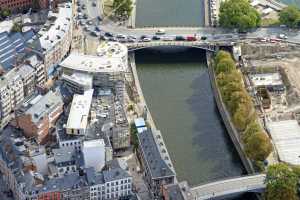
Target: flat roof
{"points": [[89, 63], [79, 112], [53, 32], [267, 79], [286, 137], [112, 49]]}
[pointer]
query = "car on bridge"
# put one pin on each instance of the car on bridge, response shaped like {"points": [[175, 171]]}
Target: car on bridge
{"points": [[155, 37], [147, 39], [191, 38], [167, 38], [180, 38], [160, 32]]}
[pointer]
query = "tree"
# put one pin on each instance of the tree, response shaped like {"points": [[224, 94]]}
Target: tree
{"points": [[281, 183], [238, 14], [241, 117], [5, 12], [258, 146], [226, 65], [133, 136], [222, 55], [237, 98], [251, 129], [122, 8], [290, 16], [16, 27]]}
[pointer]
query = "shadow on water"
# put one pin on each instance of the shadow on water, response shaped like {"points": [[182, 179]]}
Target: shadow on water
{"points": [[177, 89]]}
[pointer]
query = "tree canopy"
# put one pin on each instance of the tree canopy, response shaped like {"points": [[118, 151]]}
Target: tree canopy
{"points": [[122, 8], [258, 146], [281, 183], [240, 105], [238, 14], [4, 12], [290, 16], [16, 27]]}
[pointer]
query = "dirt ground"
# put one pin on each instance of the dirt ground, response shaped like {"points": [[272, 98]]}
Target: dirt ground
{"points": [[291, 67]]}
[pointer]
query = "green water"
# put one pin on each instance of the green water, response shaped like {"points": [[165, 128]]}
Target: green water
{"points": [[169, 13], [178, 93], [292, 2]]}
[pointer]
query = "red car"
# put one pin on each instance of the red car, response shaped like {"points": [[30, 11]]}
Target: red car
{"points": [[191, 38]]}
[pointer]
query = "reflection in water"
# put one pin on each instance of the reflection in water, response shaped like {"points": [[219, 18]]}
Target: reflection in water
{"points": [[176, 86]]}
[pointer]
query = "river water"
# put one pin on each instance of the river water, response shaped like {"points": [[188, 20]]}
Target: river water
{"points": [[292, 2], [169, 13], [177, 89]]}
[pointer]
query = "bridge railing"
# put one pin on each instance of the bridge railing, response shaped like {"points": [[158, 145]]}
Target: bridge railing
{"points": [[229, 186]]}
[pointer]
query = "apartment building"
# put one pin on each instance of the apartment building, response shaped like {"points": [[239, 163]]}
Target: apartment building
{"points": [[56, 36], [39, 114], [14, 86], [157, 172]]}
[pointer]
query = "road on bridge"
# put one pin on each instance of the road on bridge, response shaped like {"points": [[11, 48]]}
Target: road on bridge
{"points": [[223, 188]]}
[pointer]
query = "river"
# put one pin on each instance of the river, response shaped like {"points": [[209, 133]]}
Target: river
{"points": [[292, 2], [177, 89], [169, 13]]}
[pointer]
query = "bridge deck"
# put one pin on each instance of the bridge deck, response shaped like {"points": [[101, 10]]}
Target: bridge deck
{"points": [[228, 187], [197, 44]]}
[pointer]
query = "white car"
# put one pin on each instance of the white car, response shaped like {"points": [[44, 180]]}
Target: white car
{"points": [[160, 32], [283, 36], [147, 40], [167, 39]]}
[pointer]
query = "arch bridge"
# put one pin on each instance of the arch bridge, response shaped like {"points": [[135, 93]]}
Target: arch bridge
{"points": [[229, 187], [195, 44]]}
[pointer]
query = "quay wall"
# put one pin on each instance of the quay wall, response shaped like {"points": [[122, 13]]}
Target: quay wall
{"points": [[144, 111], [226, 117]]}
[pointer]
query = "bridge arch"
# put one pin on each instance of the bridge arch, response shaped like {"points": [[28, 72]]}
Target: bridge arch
{"points": [[195, 44]]}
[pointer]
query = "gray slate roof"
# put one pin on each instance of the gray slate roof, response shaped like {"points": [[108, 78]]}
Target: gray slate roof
{"points": [[158, 167]]}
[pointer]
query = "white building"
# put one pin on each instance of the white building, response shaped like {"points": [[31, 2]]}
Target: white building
{"points": [[56, 36], [79, 113], [94, 154], [286, 137], [108, 67]]}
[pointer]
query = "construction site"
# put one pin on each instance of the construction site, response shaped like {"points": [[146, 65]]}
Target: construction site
{"points": [[273, 83]]}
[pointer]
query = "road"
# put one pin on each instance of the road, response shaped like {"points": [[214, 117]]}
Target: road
{"points": [[212, 34]]}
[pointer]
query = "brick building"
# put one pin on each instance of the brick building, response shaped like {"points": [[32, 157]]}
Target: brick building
{"points": [[38, 115], [21, 4]]}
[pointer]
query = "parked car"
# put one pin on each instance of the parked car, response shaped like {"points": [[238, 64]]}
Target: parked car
{"points": [[131, 37], [121, 36], [143, 36], [130, 40], [112, 39], [99, 18], [97, 29], [94, 4], [108, 34], [203, 38]]}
